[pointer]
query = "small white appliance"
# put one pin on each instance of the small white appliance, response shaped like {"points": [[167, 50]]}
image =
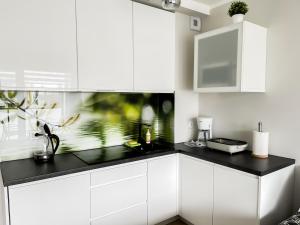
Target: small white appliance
{"points": [[227, 145], [204, 129]]}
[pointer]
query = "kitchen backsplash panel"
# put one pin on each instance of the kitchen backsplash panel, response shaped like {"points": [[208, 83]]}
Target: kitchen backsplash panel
{"points": [[81, 120]]}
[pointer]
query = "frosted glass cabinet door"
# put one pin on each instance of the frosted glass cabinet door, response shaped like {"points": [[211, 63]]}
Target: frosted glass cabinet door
{"points": [[217, 60], [38, 44]]}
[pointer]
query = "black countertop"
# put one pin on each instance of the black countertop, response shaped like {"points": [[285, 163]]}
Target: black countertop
{"points": [[27, 170], [243, 161]]}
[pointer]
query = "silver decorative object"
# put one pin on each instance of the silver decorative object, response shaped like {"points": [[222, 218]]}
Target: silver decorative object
{"points": [[171, 4]]}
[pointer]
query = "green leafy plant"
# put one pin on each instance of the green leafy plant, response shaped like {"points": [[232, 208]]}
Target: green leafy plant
{"points": [[238, 7], [29, 107]]}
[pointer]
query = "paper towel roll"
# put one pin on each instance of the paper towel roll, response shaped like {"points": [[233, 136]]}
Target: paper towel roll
{"points": [[260, 144]]}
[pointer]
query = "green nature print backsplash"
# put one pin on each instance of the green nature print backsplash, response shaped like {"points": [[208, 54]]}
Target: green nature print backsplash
{"points": [[81, 120]]}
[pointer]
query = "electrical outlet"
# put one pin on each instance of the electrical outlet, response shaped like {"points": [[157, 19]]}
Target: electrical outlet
{"points": [[195, 23]]}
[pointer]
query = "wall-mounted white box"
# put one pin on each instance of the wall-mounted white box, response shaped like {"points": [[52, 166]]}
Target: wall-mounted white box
{"points": [[231, 59]]}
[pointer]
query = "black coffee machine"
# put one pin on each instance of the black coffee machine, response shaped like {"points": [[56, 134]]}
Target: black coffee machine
{"points": [[50, 146]]}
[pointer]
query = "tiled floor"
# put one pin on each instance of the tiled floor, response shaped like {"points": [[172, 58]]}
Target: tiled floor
{"points": [[178, 222]]}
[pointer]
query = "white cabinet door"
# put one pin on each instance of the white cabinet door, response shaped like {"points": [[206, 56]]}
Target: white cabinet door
{"points": [[235, 197], [154, 43], [119, 195], [105, 49], [231, 59], [196, 190], [38, 45], [162, 189], [136, 215], [62, 201], [216, 60]]}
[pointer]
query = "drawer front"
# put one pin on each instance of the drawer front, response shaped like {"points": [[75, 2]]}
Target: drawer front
{"points": [[136, 215], [117, 196], [117, 174], [60, 201]]}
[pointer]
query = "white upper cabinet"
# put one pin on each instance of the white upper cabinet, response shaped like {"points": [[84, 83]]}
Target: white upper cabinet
{"points": [[114, 45], [105, 48], [59, 201], [231, 59], [154, 43], [38, 45]]}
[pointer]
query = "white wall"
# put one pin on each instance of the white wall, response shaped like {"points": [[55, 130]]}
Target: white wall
{"points": [[235, 115], [186, 101]]}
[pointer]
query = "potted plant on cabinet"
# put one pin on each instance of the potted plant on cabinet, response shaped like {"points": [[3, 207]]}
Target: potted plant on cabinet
{"points": [[237, 11]]}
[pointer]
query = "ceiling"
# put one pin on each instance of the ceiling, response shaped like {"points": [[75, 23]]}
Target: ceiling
{"points": [[213, 3], [190, 7]]}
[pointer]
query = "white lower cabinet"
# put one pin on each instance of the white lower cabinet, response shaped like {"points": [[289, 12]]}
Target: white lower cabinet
{"points": [[235, 197], [162, 189], [119, 195], [196, 190], [136, 215], [211, 194], [59, 201], [150, 191]]}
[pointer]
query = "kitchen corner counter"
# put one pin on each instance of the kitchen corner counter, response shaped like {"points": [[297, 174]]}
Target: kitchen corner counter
{"points": [[243, 161], [27, 170]]}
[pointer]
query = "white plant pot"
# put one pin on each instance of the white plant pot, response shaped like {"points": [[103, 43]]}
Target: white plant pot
{"points": [[238, 18]]}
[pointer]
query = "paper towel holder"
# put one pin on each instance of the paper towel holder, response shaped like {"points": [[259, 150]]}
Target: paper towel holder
{"points": [[260, 143]]}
